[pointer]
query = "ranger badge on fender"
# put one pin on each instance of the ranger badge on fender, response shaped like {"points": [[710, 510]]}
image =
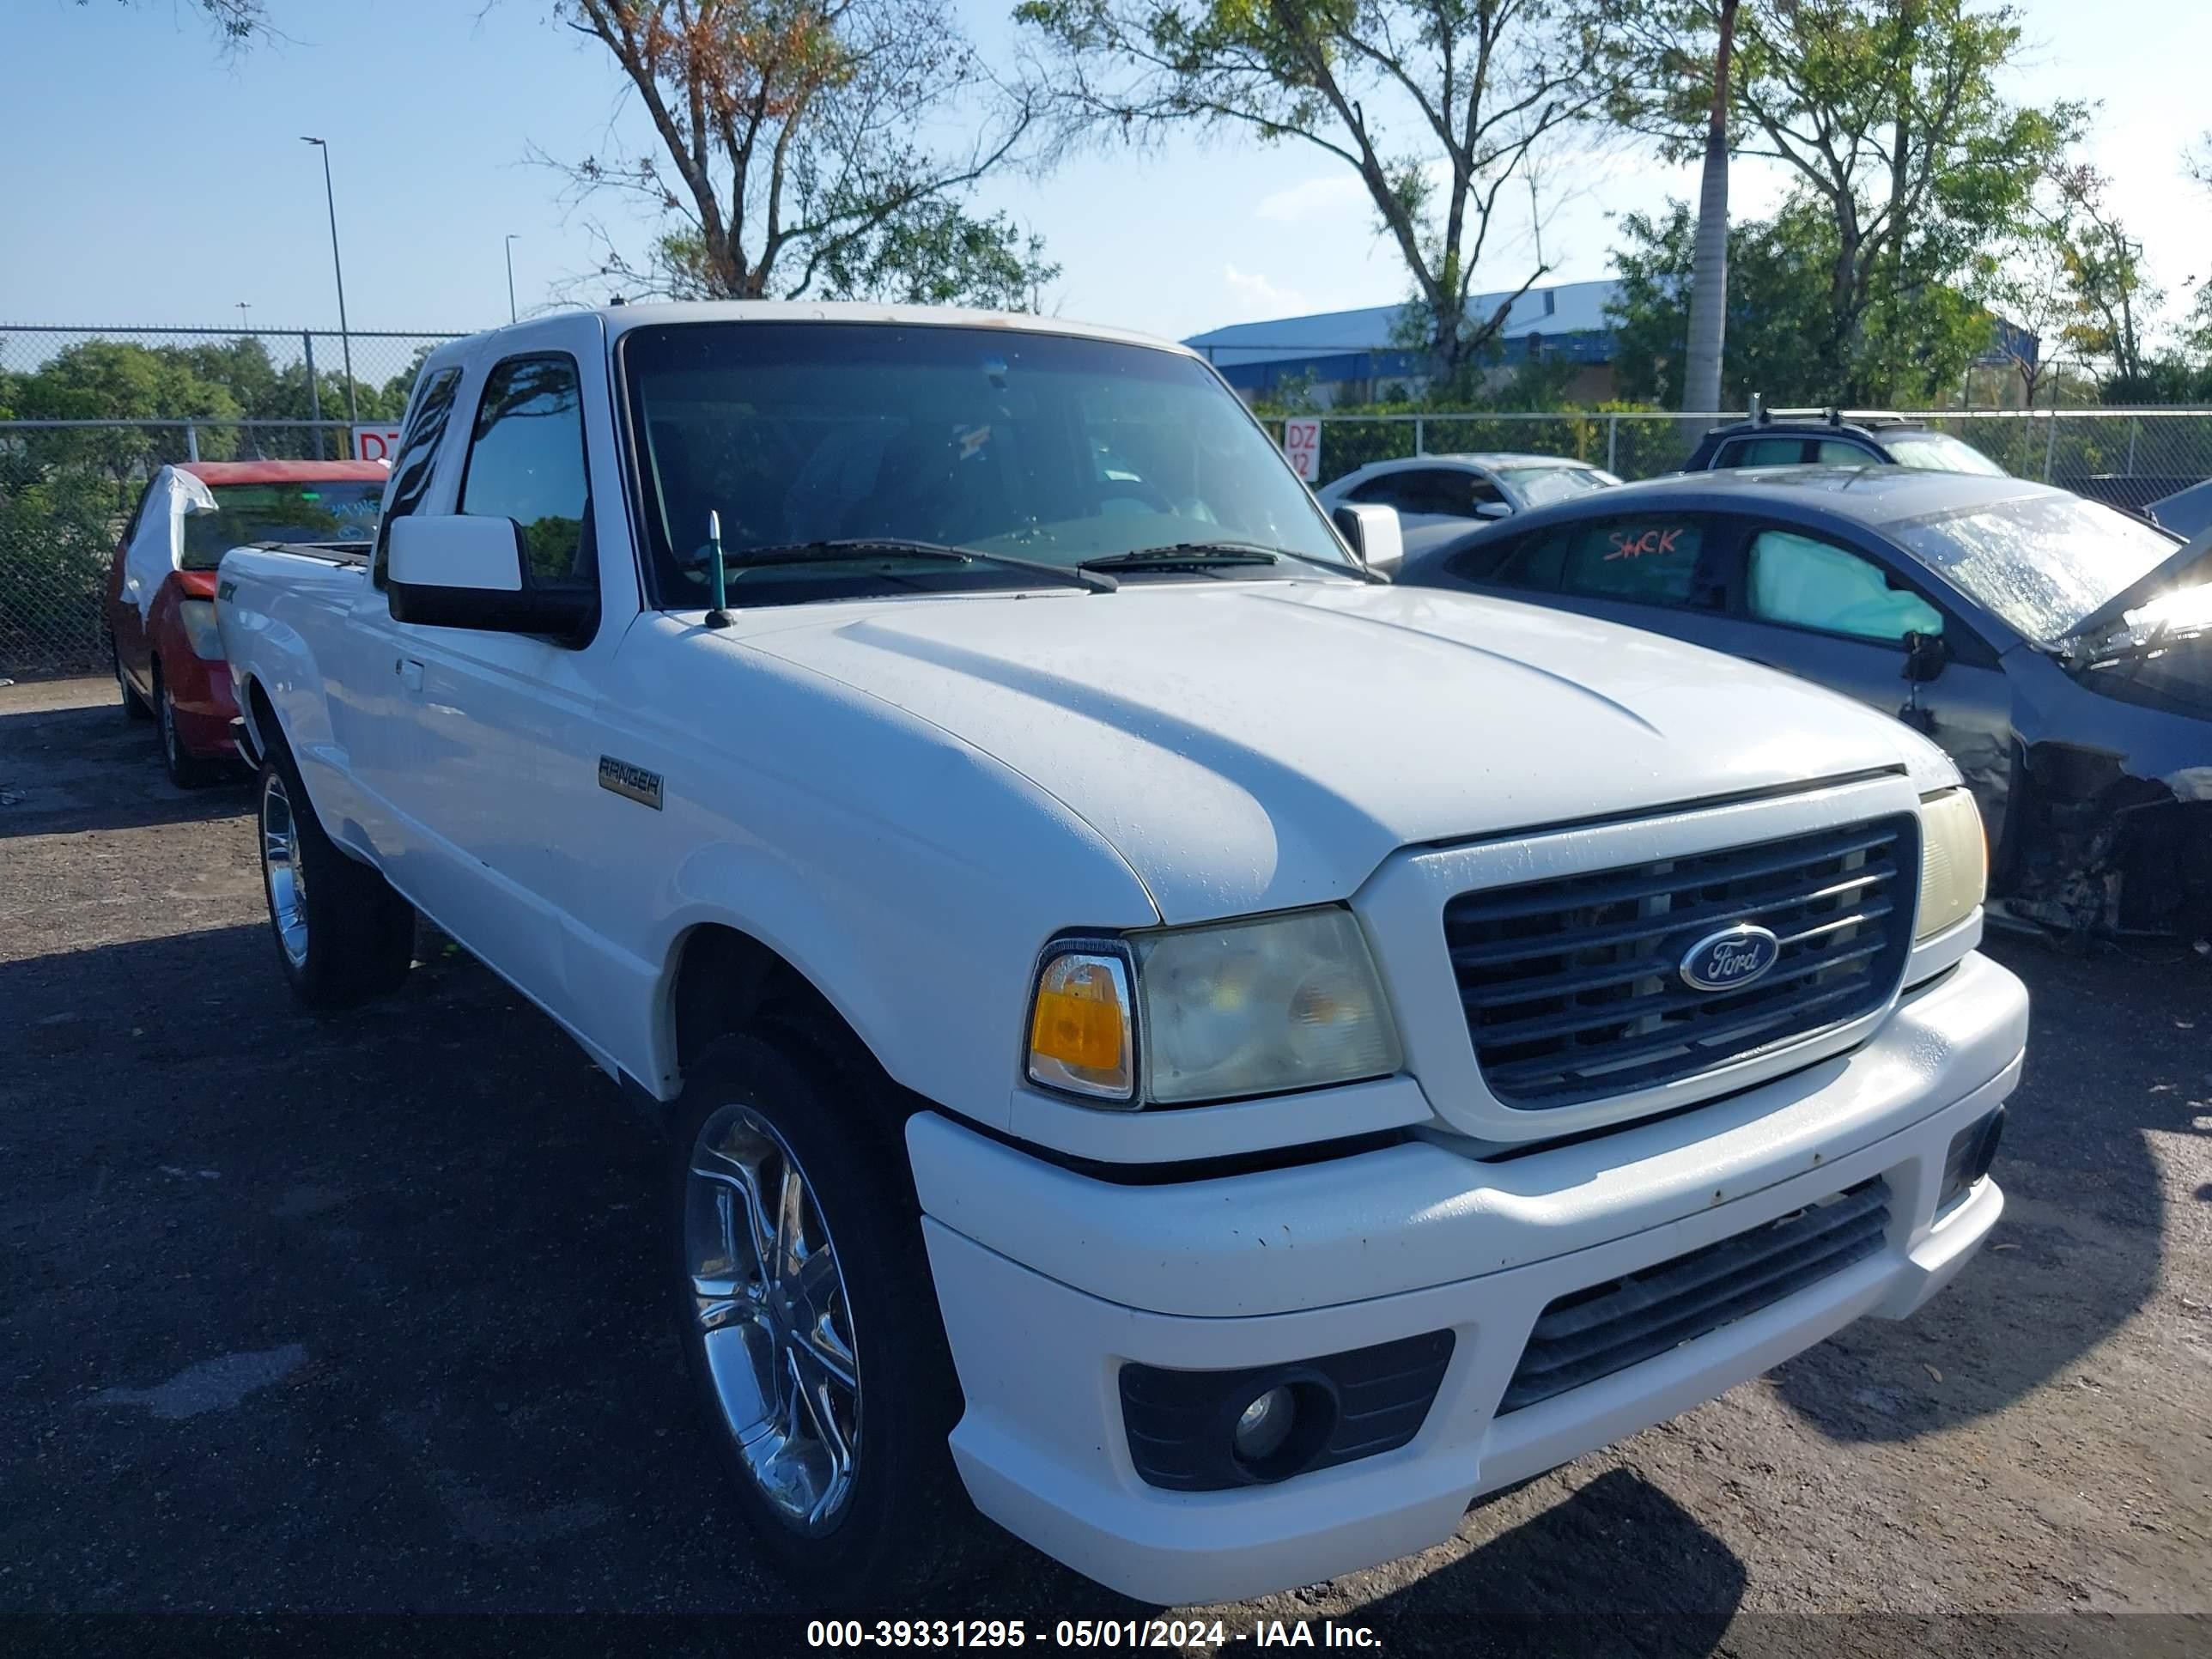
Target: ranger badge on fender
{"points": [[632, 782]]}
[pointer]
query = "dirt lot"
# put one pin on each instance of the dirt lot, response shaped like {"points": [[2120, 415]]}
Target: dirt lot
{"points": [[362, 1314]]}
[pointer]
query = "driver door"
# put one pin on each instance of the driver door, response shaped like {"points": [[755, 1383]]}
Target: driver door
{"points": [[1839, 615]]}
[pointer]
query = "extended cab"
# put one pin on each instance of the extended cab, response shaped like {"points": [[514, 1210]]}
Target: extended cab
{"points": [[1208, 1057]]}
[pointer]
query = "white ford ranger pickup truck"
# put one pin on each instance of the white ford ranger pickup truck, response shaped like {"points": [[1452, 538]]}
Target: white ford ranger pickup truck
{"points": [[1209, 1059]]}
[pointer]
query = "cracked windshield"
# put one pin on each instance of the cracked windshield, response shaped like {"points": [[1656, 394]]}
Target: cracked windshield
{"points": [[841, 459]]}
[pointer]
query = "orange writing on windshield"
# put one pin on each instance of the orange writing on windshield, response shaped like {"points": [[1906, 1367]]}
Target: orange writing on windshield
{"points": [[1631, 544]]}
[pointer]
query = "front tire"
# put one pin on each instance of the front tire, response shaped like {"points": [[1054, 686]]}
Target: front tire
{"points": [[342, 934], [809, 1324]]}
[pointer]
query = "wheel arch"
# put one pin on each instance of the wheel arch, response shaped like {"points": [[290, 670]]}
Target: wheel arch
{"points": [[720, 980], [259, 714]]}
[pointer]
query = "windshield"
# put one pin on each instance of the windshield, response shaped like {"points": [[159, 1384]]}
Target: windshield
{"points": [[1938, 452], [332, 511], [1540, 486], [2043, 563], [1037, 446]]}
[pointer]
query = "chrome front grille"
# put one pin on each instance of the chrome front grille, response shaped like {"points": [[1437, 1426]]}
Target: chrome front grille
{"points": [[1573, 986]]}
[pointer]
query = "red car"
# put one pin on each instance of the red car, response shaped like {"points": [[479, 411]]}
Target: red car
{"points": [[160, 591]]}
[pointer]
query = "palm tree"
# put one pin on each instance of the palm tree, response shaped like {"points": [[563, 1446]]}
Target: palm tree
{"points": [[1701, 373]]}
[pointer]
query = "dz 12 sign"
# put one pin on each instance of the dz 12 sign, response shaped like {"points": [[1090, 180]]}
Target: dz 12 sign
{"points": [[1302, 443], [375, 443]]}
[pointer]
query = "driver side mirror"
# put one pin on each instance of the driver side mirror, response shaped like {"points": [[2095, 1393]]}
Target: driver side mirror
{"points": [[1493, 510], [465, 570], [1924, 657], [1374, 533]]}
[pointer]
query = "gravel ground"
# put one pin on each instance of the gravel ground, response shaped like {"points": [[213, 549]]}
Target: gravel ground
{"points": [[363, 1316]]}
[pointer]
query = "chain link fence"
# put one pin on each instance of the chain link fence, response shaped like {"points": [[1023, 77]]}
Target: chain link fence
{"points": [[88, 415], [2127, 457]]}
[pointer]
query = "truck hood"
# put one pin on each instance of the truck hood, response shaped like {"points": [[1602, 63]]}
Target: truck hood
{"points": [[1249, 747]]}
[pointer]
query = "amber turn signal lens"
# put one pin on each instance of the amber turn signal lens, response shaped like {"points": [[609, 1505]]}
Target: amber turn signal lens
{"points": [[1079, 1035]]}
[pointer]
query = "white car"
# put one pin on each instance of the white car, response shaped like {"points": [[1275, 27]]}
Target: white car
{"points": [[1209, 1060], [1438, 497]]}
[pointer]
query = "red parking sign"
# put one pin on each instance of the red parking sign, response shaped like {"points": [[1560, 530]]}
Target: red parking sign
{"points": [[375, 443], [1302, 443]]}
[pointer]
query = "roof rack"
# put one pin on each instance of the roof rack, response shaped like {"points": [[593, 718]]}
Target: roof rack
{"points": [[1831, 416]]}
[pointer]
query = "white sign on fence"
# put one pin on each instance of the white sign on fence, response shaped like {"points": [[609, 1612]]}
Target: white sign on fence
{"points": [[375, 443], [1302, 443]]}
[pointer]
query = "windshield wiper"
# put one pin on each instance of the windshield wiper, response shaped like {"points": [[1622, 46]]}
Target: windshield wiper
{"points": [[1182, 556], [1213, 556], [892, 547]]}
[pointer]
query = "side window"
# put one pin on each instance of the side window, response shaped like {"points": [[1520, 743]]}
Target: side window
{"points": [[1421, 489], [418, 454], [1649, 559], [1498, 561], [526, 464], [1833, 452], [1389, 490], [1807, 583], [1761, 452]]}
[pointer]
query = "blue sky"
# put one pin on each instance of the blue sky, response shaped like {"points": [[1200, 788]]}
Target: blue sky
{"points": [[153, 182]]}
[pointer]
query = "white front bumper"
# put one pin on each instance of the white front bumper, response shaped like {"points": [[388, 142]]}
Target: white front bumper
{"points": [[1289, 1264]]}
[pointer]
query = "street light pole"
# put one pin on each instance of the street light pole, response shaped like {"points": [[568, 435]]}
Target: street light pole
{"points": [[345, 342], [511, 317]]}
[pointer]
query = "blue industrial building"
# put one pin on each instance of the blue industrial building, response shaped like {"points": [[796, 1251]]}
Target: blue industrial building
{"points": [[1349, 356]]}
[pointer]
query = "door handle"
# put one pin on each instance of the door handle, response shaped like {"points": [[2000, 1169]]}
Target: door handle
{"points": [[410, 672]]}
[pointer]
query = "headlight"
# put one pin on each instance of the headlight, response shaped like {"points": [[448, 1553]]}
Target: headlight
{"points": [[199, 616], [1220, 1011], [1955, 861], [1259, 1008]]}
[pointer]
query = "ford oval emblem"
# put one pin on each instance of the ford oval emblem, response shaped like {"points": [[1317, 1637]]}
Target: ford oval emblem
{"points": [[1730, 959]]}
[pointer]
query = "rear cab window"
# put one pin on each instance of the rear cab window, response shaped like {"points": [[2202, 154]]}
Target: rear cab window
{"points": [[417, 462]]}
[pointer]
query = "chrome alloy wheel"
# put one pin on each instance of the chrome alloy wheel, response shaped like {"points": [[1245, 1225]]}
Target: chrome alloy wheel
{"points": [[773, 1317], [280, 863]]}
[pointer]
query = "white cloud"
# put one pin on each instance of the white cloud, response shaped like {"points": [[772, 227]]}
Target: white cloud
{"points": [[1253, 298], [1330, 196]]}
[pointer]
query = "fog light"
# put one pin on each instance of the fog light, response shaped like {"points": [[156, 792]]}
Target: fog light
{"points": [[1972, 1151], [1264, 1425]]}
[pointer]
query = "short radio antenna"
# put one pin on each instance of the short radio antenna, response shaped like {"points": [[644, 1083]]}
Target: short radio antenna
{"points": [[718, 617]]}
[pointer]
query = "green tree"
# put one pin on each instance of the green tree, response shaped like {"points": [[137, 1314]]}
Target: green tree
{"points": [[1776, 304], [2113, 300], [796, 152], [119, 380], [2197, 331], [1435, 106], [1888, 116]]}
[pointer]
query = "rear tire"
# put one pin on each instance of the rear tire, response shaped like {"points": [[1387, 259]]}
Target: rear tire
{"points": [[838, 1356], [343, 934], [185, 770], [133, 705]]}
